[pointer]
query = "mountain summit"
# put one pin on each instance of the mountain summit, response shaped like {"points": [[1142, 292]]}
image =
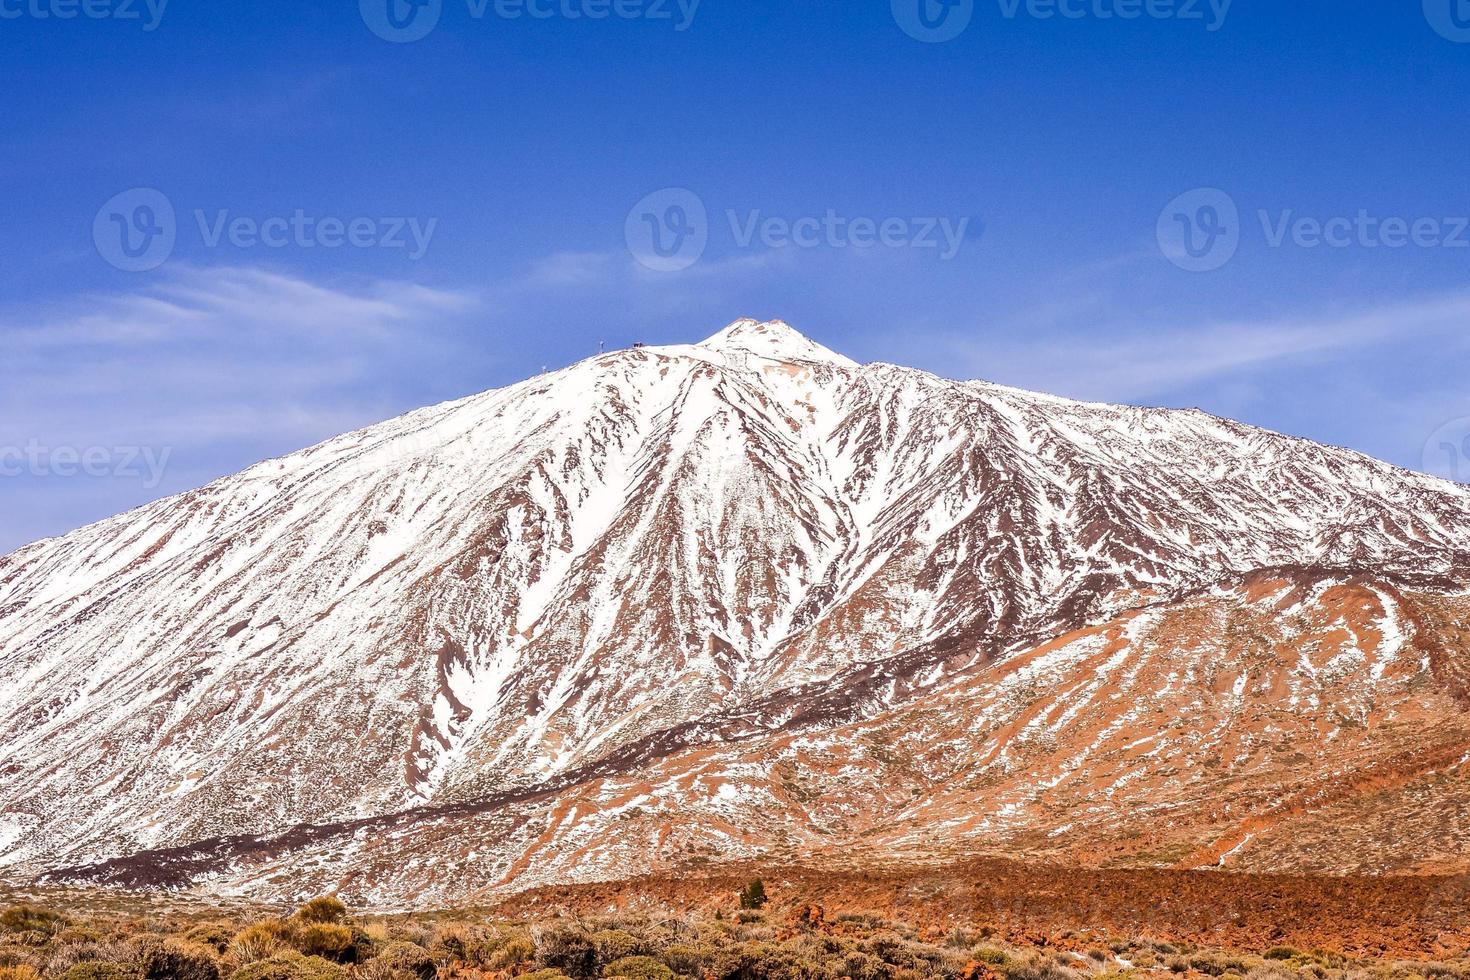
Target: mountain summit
{"points": [[774, 339], [741, 599]]}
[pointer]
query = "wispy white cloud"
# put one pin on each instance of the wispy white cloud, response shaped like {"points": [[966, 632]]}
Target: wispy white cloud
{"points": [[249, 348], [1121, 362]]}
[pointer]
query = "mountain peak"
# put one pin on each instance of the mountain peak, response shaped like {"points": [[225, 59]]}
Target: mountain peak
{"points": [[774, 339]]}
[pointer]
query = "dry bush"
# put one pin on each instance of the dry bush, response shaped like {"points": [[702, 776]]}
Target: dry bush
{"points": [[102, 970], [67, 955], [19, 973], [331, 942], [325, 910], [509, 948], [407, 960], [213, 934], [569, 949], [617, 944], [638, 968], [260, 941], [290, 966], [1034, 966], [31, 918], [176, 959]]}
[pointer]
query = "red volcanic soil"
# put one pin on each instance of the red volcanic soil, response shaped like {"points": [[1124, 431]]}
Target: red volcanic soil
{"points": [[1401, 917]]}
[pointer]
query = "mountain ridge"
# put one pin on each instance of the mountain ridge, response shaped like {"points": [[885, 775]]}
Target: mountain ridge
{"points": [[492, 597]]}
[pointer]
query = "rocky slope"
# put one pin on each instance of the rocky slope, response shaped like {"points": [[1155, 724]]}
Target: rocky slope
{"points": [[741, 598]]}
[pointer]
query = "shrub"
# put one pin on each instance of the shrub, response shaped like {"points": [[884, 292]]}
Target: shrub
{"points": [[326, 910], [544, 975], [97, 970], [261, 941], [568, 949], [753, 896], [1035, 967], [177, 959], [19, 956], [31, 918], [406, 959], [214, 934], [457, 941], [290, 966], [616, 944], [511, 947], [330, 942], [1281, 953], [865, 966], [638, 968], [991, 955], [19, 973], [689, 959]]}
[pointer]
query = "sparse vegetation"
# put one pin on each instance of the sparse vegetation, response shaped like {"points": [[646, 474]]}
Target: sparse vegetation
{"points": [[765, 940]]}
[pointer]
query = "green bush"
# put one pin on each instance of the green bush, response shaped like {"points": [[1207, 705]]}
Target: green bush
{"points": [[638, 968], [753, 896]]}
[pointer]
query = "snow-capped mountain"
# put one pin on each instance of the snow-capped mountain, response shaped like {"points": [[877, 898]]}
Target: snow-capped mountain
{"points": [[426, 638]]}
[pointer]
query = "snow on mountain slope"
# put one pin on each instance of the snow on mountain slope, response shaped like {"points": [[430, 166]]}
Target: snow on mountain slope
{"points": [[498, 595]]}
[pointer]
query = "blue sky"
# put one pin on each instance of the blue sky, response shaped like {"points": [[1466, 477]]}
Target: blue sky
{"points": [[1032, 175]]}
